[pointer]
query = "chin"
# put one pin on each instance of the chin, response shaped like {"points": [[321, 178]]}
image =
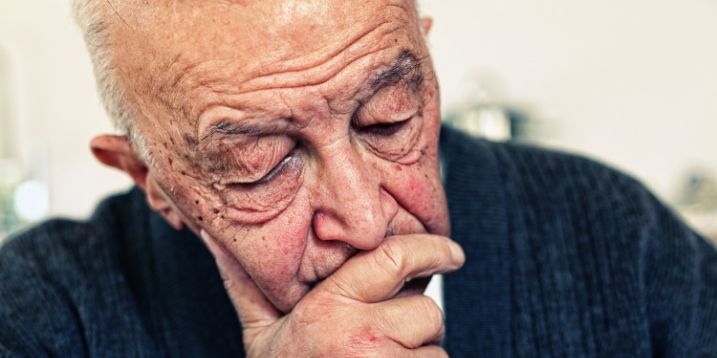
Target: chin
{"points": [[285, 301]]}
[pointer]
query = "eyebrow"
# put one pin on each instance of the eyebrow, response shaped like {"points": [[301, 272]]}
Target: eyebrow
{"points": [[229, 128], [404, 68]]}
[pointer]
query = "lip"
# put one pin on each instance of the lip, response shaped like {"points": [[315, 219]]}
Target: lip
{"points": [[314, 279], [314, 270]]}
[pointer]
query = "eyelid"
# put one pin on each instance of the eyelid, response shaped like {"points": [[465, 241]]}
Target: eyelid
{"points": [[277, 169], [402, 104], [372, 120], [221, 121]]}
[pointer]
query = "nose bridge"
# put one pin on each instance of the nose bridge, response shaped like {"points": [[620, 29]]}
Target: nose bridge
{"points": [[351, 208]]}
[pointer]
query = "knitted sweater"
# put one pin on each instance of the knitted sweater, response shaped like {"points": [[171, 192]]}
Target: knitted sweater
{"points": [[565, 258]]}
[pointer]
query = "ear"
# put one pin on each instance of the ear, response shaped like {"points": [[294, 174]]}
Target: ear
{"points": [[115, 151], [426, 25]]}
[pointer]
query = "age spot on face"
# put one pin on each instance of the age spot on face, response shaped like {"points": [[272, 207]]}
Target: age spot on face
{"points": [[190, 140]]}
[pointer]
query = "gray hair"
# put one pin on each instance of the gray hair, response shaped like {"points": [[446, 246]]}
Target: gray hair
{"points": [[93, 22], [91, 16]]}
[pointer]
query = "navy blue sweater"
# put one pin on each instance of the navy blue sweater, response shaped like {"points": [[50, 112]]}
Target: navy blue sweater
{"points": [[565, 258]]}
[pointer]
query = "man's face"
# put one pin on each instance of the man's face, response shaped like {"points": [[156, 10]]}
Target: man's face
{"points": [[294, 132]]}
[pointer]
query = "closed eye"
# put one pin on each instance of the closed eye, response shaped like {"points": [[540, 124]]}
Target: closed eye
{"points": [[385, 129], [271, 175]]}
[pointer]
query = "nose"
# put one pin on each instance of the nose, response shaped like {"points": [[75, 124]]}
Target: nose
{"points": [[354, 207]]}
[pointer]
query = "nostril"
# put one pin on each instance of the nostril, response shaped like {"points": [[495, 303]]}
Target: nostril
{"points": [[328, 226], [360, 231]]}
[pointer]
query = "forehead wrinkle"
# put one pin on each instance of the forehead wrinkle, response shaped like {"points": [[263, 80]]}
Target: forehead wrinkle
{"points": [[297, 65], [318, 74], [185, 79], [403, 68], [222, 89], [194, 79]]}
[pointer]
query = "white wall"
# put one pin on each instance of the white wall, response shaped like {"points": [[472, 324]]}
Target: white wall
{"points": [[57, 111], [632, 82]]}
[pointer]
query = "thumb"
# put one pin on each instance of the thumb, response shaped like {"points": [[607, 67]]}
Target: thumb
{"points": [[254, 309]]}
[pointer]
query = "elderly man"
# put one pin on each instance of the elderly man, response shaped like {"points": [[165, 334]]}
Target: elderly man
{"points": [[300, 141]]}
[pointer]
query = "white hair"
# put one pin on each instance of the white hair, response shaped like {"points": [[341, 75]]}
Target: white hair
{"points": [[93, 20], [91, 17]]}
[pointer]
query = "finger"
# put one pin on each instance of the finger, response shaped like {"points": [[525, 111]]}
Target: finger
{"points": [[253, 307], [376, 275], [429, 352], [411, 321]]}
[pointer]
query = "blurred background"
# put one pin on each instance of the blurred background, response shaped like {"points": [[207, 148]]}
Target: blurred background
{"points": [[632, 83]]}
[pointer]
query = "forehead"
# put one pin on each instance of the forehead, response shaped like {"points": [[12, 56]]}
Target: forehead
{"points": [[179, 45]]}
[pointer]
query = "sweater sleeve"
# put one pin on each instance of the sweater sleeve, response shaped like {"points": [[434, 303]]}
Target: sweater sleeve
{"points": [[680, 278]]}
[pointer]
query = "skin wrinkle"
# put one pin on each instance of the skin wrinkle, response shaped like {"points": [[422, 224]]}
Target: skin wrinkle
{"points": [[165, 93], [223, 93], [300, 81], [331, 56], [273, 228], [401, 68]]}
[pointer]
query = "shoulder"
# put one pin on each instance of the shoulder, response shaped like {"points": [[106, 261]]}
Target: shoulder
{"points": [[59, 245], [545, 179], [50, 274], [567, 199], [574, 185]]}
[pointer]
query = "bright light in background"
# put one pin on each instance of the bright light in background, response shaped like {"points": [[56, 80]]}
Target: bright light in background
{"points": [[32, 200]]}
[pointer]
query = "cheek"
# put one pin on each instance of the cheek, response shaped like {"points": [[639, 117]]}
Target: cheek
{"points": [[271, 252], [418, 189]]}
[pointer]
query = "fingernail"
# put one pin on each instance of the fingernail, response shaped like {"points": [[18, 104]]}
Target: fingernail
{"points": [[457, 254]]}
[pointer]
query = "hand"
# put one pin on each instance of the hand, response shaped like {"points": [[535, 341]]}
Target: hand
{"points": [[354, 312]]}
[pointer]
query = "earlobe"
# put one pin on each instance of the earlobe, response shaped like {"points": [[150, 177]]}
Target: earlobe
{"points": [[159, 202], [426, 25], [115, 151]]}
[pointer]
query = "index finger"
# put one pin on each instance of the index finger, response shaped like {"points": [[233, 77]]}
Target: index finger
{"points": [[376, 275]]}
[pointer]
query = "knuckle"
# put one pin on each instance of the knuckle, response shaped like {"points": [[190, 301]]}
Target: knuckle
{"points": [[433, 313], [392, 257], [340, 285]]}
